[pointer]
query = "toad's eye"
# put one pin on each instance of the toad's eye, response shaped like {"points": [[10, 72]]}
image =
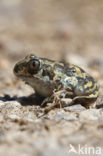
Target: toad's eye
{"points": [[34, 65]]}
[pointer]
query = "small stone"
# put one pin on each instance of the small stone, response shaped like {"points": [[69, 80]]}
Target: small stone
{"points": [[14, 117], [2, 103], [75, 108], [69, 117], [66, 101]]}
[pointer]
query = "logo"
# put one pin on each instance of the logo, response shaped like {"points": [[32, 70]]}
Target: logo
{"points": [[85, 149]]}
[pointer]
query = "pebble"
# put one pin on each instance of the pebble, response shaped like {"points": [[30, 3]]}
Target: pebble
{"points": [[70, 117], [75, 108]]}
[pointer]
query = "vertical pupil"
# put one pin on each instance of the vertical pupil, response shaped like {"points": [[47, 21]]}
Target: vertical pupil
{"points": [[33, 63]]}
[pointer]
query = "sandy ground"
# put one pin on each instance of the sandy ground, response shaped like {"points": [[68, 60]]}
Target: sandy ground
{"points": [[60, 30]]}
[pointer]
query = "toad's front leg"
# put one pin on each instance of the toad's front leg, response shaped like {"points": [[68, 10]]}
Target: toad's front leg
{"points": [[58, 99]]}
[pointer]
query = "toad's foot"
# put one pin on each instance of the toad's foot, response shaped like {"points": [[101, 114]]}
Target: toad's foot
{"points": [[62, 99], [58, 98]]}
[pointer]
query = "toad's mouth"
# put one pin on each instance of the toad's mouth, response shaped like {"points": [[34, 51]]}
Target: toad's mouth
{"points": [[28, 77], [23, 77]]}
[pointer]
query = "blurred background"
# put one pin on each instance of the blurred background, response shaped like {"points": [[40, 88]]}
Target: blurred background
{"points": [[57, 29]]}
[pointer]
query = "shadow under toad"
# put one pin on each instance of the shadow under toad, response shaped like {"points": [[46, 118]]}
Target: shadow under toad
{"points": [[24, 100], [32, 99]]}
